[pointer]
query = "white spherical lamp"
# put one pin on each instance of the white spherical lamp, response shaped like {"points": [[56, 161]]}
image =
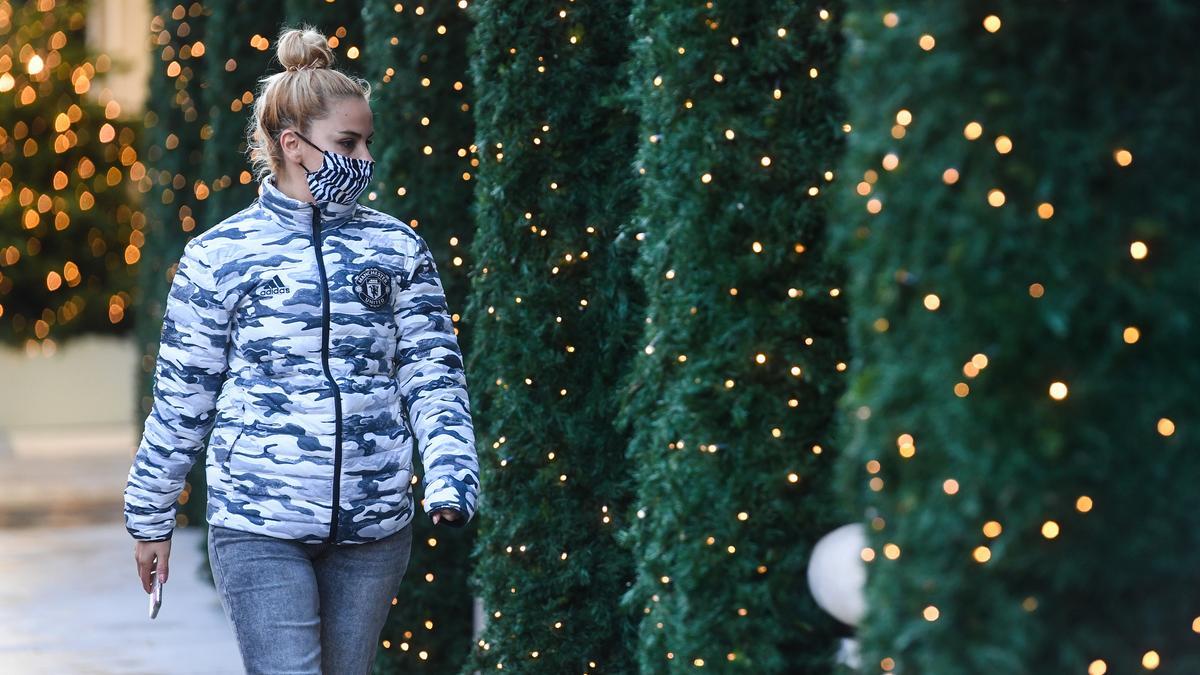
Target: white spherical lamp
{"points": [[837, 573]]}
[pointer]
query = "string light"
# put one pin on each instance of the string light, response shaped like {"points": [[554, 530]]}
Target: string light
{"points": [[1166, 427]]}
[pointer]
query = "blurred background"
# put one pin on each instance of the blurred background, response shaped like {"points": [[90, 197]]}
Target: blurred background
{"points": [[65, 408]]}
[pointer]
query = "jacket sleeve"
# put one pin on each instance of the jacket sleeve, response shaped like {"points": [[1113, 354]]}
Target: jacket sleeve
{"points": [[434, 388], [190, 368]]}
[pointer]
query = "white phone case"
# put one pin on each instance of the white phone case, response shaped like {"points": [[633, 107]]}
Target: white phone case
{"points": [[155, 594]]}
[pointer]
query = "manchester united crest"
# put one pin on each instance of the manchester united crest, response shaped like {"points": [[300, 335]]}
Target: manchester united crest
{"points": [[373, 286]]}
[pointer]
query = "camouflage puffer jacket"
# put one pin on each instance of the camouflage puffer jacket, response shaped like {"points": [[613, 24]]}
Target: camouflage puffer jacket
{"points": [[311, 348]]}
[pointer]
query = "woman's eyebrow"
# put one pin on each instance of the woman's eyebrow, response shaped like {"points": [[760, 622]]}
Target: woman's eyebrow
{"points": [[355, 133]]}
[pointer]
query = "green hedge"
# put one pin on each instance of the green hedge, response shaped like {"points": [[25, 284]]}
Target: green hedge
{"points": [[733, 455], [429, 629], [234, 63], [555, 186], [1094, 560], [173, 149]]}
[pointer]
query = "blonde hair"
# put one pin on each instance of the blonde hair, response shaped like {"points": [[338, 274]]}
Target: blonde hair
{"points": [[303, 91]]}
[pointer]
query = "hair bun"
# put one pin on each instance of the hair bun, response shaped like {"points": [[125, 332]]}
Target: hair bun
{"points": [[303, 48]]}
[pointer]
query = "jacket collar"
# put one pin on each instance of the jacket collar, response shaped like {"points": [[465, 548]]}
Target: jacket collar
{"points": [[294, 214]]}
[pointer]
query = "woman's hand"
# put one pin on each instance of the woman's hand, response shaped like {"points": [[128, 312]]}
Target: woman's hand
{"points": [[152, 555], [451, 515]]}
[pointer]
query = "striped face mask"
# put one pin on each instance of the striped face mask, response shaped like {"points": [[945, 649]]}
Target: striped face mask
{"points": [[339, 179]]}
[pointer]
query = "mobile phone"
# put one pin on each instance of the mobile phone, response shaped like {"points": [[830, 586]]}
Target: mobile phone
{"points": [[156, 590]]}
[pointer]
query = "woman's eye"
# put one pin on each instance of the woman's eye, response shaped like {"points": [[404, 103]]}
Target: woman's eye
{"points": [[348, 144]]}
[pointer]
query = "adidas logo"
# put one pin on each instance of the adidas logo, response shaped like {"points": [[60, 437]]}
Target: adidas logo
{"points": [[273, 287]]}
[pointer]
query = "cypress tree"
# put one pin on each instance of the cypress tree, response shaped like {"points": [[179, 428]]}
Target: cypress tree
{"points": [[416, 61], [340, 22], [734, 388], [237, 57], [175, 197], [425, 129], [1022, 441], [554, 311]]}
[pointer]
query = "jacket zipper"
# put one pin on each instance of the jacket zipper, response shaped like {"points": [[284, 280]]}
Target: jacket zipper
{"points": [[337, 393]]}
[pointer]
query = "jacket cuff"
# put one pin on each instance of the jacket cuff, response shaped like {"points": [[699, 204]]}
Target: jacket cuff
{"points": [[447, 492], [141, 537]]}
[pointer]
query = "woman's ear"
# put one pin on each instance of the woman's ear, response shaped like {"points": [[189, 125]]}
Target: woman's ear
{"points": [[289, 143]]}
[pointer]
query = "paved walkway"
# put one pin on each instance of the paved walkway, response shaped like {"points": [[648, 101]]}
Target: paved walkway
{"points": [[71, 602]]}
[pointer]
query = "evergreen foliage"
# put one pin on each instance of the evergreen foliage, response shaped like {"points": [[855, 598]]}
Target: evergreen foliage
{"points": [[175, 205], [238, 55], [340, 22], [425, 130], [1024, 315], [738, 372], [554, 312], [417, 64]]}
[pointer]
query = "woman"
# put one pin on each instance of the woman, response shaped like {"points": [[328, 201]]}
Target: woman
{"points": [[309, 334]]}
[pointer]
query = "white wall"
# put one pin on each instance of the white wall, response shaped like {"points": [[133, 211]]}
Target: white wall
{"points": [[121, 29], [79, 400]]}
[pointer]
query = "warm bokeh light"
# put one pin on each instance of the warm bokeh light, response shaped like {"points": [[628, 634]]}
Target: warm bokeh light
{"points": [[1166, 427], [1050, 529]]}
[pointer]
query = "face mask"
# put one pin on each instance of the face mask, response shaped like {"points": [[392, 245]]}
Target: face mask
{"points": [[340, 179]]}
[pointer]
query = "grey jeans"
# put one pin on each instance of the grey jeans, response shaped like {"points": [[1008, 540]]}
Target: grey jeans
{"points": [[306, 609]]}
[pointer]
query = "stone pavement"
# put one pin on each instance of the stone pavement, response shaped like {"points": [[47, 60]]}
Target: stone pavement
{"points": [[71, 603], [48, 489]]}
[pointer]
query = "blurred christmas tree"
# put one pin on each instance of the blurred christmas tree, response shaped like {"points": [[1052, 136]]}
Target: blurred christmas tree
{"points": [[340, 21], [236, 57], [72, 231]]}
